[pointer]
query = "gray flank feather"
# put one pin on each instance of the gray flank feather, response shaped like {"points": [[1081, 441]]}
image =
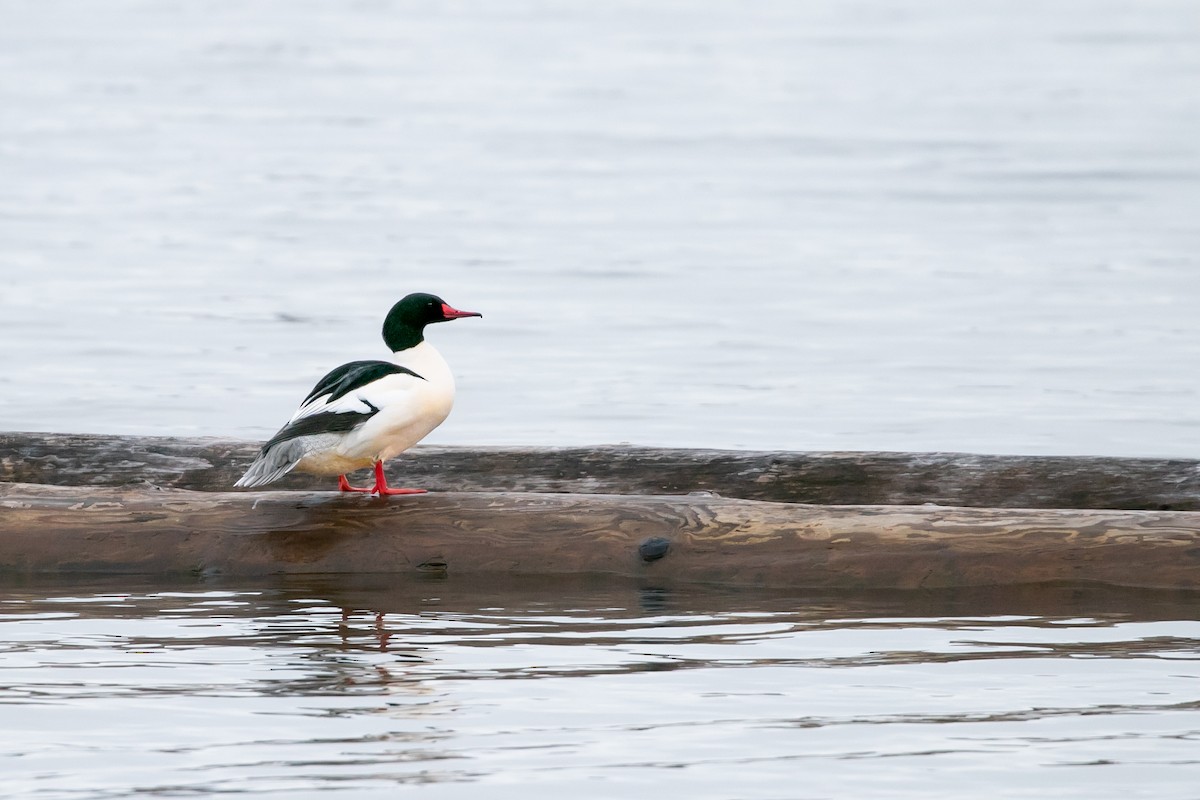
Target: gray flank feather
{"points": [[274, 462], [300, 437]]}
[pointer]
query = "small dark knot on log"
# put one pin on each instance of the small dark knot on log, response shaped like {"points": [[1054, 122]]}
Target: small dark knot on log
{"points": [[653, 548]]}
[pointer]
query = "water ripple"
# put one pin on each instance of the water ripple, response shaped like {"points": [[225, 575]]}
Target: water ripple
{"points": [[307, 686]]}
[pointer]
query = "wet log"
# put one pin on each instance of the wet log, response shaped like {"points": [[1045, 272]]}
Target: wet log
{"points": [[661, 539], [952, 479]]}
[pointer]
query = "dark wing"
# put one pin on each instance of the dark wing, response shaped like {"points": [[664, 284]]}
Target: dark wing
{"points": [[335, 405], [322, 422], [355, 375]]}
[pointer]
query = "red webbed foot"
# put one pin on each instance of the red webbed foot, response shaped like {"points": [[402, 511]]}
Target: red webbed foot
{"points": [[381, 487], [344, 485]]}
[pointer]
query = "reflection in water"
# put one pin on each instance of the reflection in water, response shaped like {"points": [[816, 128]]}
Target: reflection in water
{"points": [[301, 686]]}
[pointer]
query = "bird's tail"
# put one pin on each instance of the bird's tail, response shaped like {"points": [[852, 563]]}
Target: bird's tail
{"points": [[272, 464]]}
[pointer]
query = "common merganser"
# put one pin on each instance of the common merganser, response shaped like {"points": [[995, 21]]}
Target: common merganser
{"points": [[365, 412]]}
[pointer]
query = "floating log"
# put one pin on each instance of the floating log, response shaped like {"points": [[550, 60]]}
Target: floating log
{"points": [[664, 539], [83, 503], [952, 479]]}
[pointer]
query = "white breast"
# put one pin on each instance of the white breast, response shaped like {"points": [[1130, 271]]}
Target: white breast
{"points": [[409, 408]]}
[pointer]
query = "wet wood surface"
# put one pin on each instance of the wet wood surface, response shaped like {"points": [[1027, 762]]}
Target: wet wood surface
{"points": [[953, 479], [666, 539]]}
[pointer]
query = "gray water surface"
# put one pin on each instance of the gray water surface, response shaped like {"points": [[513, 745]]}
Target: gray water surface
{"points": [[831, 224], [310, 688], [822, 225]]}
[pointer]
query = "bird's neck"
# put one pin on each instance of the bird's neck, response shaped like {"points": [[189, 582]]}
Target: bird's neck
{"points": [[423, 359], [401, 336]]}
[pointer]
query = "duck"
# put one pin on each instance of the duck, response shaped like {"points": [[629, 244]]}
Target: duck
{"points": [[364, 412]]}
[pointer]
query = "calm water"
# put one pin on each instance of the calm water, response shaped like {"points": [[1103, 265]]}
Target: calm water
{"points": [[836, 224], [310, 689], [833, 224]]}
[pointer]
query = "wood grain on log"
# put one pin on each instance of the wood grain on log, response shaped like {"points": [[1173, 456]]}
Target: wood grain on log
{"points": [[707, 539], [828, 478]]}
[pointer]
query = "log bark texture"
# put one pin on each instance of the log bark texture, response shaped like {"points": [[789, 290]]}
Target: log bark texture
{"points": [[952, 479], [660, 538]]}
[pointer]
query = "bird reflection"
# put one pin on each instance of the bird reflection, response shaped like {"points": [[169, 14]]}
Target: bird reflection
{"points": [[380, 631]]}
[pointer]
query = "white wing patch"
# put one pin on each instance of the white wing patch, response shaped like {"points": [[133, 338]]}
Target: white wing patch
{"points": [[392, 393]]}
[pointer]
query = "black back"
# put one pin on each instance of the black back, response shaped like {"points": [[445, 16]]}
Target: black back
{"points": [[337, 384], [355, 375]]}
